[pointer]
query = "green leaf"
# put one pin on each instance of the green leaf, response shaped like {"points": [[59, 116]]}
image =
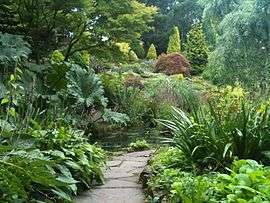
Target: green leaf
{"points": [[4, 100]]}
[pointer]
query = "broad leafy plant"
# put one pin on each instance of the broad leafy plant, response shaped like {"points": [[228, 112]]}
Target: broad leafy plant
{"points": [[13, 49]]}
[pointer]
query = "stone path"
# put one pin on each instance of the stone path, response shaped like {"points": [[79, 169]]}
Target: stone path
{"points": [[121, 181]]}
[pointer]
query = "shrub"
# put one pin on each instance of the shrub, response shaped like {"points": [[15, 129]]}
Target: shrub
{"points": [[137, 47], [49, 165], [139, 145], [212, 136], [168, 91], [172, 64], [133, 56], [13, 50], [196, 48], [174, 45], [152, 53], [57, 57], [247, 181], [168, 157], [133, 81]]}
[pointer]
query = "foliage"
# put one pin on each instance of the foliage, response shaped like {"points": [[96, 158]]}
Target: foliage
{"points": [[173, 185], [84, 160], [85, 88], [196, 48], [213, 136], [13, 50], [169, 91], [25, 175], [247, 181], [139, 145], [57, 57], [152, 53], [171, 64], [53, 167], [146, 99], [242, 42], [180, 13], [133, 56], [81, 25], [138, 48], [167, 157], [174, 45]]}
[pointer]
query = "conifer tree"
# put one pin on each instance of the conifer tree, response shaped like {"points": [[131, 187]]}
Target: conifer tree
{"points": [[174, 45], [152, 53], [196, 47], [133, 56]]}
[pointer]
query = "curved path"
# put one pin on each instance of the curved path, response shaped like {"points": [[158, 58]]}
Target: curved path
{"points": [[121, 181]]}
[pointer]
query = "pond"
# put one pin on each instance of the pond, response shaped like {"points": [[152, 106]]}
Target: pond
{"points": [[113, 141]]}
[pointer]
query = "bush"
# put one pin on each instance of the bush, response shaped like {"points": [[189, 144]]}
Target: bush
{"points": [[57, 57], [139, 145], [212, 136], [174, 45], [48, 165], [168, 157], [137, 47], [172, 64], [133, 80], [247, 181], [133, 56], [152, 53], [172, 92]]}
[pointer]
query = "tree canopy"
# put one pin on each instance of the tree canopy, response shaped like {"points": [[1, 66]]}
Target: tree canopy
{"points": [[79, 25]]}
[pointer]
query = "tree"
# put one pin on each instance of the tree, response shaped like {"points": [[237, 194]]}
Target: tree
{"points": [[181, 13], [81, 24], [174, 45], [8, 20], [133, 56], [242, 44], [152, 53], [196, 48]]}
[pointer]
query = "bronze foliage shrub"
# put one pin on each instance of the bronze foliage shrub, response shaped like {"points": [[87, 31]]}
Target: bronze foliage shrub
{"points": [[172, 64]]}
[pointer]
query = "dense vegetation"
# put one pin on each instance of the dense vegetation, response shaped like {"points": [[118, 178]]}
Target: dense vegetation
{"points": [[195, 71]]}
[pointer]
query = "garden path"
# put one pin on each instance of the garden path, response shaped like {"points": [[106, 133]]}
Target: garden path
{"points": [[121, 181]]}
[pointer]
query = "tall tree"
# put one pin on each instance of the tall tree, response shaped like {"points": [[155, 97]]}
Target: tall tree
{"points": [[152, 53], [242, 47], [174, 45], [181, 13], [196, 48], [81, 24]]}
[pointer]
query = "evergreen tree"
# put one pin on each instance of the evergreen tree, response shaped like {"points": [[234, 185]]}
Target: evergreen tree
{"points": [[174, 45], [133, 56], [152, 53], [196, 47]]}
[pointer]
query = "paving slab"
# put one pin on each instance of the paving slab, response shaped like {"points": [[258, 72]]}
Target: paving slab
{"points": [[121, 181]]}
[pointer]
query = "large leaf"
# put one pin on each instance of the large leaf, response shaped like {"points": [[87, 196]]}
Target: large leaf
{"points": [[85, 87], [12, 49]]}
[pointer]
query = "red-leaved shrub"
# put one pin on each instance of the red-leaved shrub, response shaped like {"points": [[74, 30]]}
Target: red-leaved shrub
{"points": [[172, 64]]}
